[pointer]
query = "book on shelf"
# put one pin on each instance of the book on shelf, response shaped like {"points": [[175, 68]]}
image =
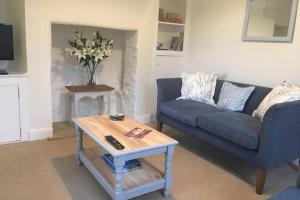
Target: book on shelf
{"points": [[177, 42], [130, 165]]}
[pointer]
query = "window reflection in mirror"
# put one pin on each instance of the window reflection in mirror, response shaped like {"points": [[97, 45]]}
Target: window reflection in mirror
{"points": [[270, 18]]}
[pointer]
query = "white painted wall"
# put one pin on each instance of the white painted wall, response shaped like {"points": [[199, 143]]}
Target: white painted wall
{"points": [[3, 11], [216, 46], [130, 14]]}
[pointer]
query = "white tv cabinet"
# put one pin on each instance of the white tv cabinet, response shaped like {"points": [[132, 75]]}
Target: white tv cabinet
{"points": [[14, 119]]}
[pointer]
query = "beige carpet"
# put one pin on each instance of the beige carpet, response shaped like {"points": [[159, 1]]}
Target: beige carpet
{"points": [[47, 170], [63, 130]]}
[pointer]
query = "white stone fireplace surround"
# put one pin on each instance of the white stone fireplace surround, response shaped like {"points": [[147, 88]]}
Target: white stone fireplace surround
{"points": [[118, 71]]}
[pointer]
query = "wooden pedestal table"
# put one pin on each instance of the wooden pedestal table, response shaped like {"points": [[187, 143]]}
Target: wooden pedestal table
{"points": [[129, 184], [78, 92]]}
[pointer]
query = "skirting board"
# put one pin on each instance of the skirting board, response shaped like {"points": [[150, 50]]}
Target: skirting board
{"points": [[143, 118], [40, 134]]}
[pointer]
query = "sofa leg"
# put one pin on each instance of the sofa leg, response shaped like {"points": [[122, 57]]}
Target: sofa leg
{"points": [[159, 126], [261, 176]]}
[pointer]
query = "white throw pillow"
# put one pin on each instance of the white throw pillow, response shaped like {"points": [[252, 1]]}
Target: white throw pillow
{"points": [[199, 87], [285, 92]]}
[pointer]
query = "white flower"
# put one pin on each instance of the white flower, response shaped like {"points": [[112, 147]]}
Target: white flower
{"points": [[93, 50]]}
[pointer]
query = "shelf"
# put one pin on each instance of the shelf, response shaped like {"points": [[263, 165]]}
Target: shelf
{"points": [[132, 179], [170, 27], [14, 75], [171, 23], [169, 53], [168, 32]]}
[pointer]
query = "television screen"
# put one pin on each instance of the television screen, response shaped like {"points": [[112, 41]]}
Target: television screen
{"points": [[6, 42]]}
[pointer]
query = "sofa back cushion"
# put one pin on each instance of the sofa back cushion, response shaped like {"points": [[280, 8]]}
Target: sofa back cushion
{"points": [[298, 180], [254, 100]]}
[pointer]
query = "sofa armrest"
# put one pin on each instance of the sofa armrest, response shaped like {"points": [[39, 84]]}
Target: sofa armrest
{"points": [[280, 137], [168, 89]]}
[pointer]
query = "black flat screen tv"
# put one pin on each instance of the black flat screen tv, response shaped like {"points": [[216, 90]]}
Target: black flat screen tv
{"points": [[6, 42]]}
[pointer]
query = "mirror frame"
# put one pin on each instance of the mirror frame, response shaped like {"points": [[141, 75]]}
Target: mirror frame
{"points": [[288, 38]]}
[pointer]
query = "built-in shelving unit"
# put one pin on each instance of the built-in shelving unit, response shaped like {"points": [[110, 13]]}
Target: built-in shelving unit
{"points": [[169, 63], [171, 27], [169, 53], [171, 23]]}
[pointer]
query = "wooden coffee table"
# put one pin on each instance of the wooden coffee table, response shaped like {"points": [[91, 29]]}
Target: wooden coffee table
{"points": [[130, 184]]}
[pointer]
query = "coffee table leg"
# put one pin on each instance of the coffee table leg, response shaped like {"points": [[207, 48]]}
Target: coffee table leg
{"points": [[119, 164], [168, 177], [79, 144]]}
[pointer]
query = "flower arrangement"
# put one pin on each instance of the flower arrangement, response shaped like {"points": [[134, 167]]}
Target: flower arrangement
{"points": [[90, 52]]}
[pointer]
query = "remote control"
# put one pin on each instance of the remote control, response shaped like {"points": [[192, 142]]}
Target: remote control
{"points": [[114, 142]]}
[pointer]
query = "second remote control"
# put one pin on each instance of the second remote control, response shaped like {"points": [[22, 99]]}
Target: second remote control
{"points": [[113, 141]]}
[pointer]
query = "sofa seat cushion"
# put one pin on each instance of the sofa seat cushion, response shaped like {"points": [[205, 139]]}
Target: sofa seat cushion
{"points": [[187, 111], [238, 128], [291, 193]]}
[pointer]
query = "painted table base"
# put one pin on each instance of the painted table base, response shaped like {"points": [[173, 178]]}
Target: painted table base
{"points": [[75, 97], [116, 191]]}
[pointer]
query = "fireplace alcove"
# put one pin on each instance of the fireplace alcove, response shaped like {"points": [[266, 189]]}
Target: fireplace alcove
{"points": [[118, 71]]}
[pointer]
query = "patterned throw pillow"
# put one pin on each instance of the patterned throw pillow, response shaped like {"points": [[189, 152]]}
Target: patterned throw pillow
{"points": [[233, 97], [199, 87], [285, 92]]}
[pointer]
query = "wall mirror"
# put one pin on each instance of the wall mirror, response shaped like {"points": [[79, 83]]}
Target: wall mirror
{"points": [[270, 20]]}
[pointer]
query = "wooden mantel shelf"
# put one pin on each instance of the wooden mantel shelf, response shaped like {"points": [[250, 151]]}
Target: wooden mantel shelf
{"points": [[85, 88]]}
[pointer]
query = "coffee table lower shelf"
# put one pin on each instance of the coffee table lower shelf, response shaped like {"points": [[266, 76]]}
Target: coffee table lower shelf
{"points": [[135, 183]]}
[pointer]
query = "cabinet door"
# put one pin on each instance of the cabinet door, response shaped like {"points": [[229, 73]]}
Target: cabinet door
{"points": [[9, 114]]}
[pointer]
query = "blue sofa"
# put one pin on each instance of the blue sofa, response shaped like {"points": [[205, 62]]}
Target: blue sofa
{"points": [[265, 145], [291, 193]]}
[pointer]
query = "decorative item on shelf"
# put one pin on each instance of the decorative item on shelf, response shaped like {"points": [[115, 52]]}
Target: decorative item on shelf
{"points": [[177, 43], [117, 117], [179, 21], [6, 47], [160, 46], [161, 16], [174, 43], [181, 38], [90, 52], [171, 17], [3, 72]]}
